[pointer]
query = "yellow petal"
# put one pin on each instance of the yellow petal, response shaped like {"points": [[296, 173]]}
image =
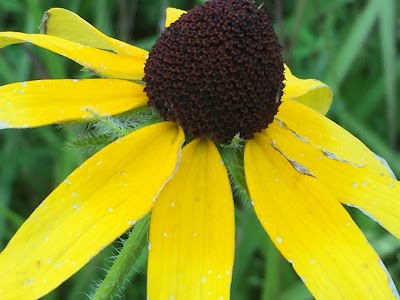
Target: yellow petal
{"points": [[192, 230], [326, 135], [310, 92], [172, 15], [93, 206], [311, 229], [36, 103], [68, 25], [100, 61], [376, 195]]}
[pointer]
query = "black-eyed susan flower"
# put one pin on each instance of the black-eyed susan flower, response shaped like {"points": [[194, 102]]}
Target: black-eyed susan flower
{"points": [[216, 73]]}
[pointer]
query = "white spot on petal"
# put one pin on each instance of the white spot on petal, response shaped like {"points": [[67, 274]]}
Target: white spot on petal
{"points": [[172, 204], [165, 234], [29, 281], [110, 209], [279, 239], [355, 184], [74, 194], [203, 279]]}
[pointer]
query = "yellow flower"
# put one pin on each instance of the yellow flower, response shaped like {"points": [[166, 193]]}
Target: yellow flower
{"points": [[299, 171]]}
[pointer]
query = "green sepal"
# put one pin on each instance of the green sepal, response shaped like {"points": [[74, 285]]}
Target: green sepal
{"points": [[129, 256], [233, 157]]}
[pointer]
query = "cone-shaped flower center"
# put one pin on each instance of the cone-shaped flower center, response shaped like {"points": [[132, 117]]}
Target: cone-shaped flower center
{"points": [[217, 71]]}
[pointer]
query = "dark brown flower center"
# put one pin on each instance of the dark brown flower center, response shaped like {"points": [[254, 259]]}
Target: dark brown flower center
{"points": [[217, 71]]}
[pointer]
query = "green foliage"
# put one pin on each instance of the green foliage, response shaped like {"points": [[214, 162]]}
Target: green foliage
{"points": [[350, 45]]}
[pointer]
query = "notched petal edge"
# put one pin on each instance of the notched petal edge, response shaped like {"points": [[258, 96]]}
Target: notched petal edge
{"points": [[296, 165], [328, 154], [43, 24]]}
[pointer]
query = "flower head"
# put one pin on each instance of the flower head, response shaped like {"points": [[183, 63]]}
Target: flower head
{"points": [[215, 73], [225, 65]]}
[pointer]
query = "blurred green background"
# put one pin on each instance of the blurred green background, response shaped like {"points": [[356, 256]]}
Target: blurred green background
{"points": [[352, 45]]}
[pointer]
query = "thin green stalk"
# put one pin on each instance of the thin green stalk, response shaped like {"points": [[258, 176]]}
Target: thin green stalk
{"points": [[388, 43], [272, 281], [355, 40], [118, 275]]}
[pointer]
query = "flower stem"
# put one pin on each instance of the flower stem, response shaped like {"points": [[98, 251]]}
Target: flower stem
{"points": [[118, 274], [233, 160], [273, 272]]}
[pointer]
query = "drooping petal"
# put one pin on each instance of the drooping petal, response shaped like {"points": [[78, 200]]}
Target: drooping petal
{"points": [[311, 229], [376, 195], [41, 102], [67, 25], [100, 61], [192, 230], [172, 15], [93, 206], [327, 136], [310, 92]]}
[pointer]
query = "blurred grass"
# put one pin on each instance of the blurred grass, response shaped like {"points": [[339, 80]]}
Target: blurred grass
{"points": [[350, 45]]}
